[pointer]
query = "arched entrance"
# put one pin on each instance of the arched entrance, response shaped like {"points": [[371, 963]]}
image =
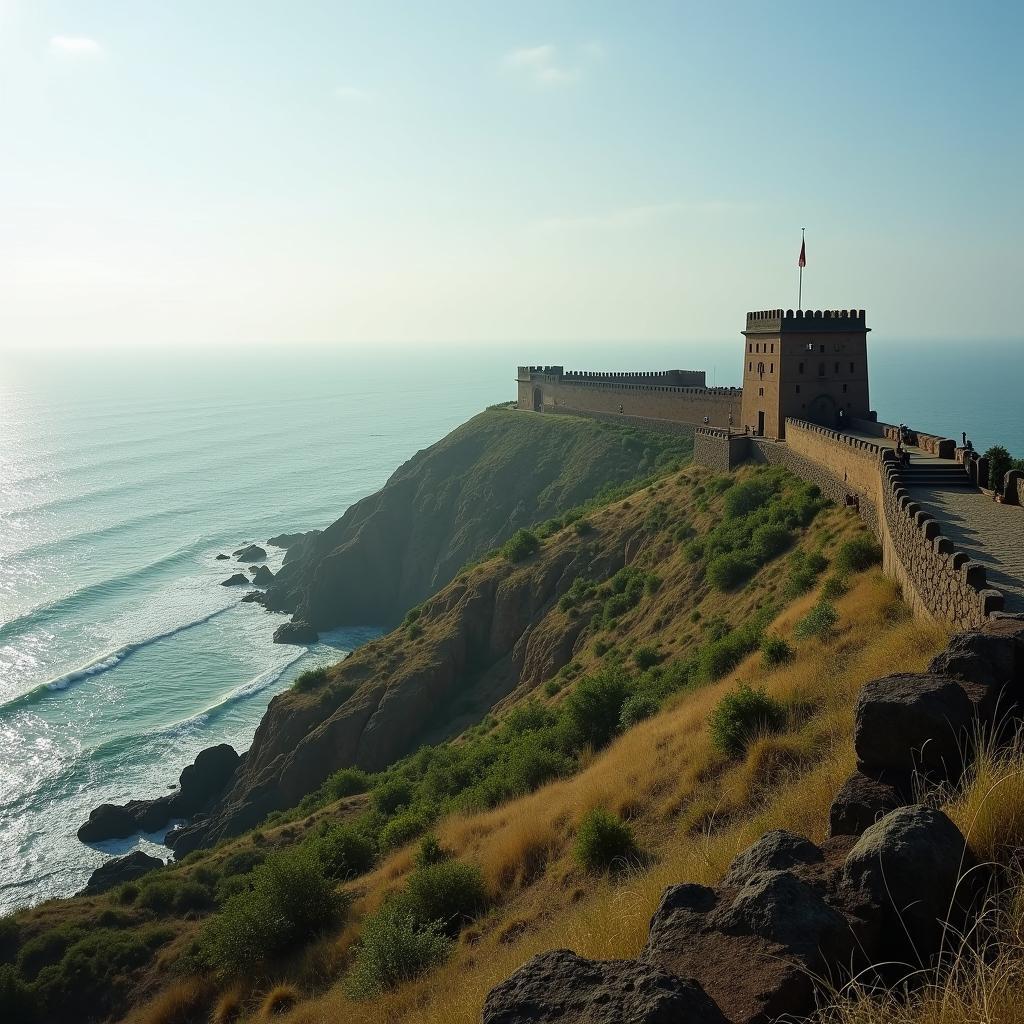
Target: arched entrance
{"points": [[823, 411], [538, 400]]}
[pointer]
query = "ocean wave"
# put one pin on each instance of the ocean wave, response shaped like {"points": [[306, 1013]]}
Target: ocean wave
{"points": [[103, 662], [59, 607]]}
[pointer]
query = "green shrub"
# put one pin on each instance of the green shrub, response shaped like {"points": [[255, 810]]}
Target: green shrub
{"points": [[311, 679], [126, 894], [430, 851], [775, 651], [636, 709], [1000, 462], [818, 622], [552, 687], [403, 827], [646, 657], [742, 715], [391, 793], [835, 586], [393, 949], [158, 895], [744, 498], [804, 570], [343, 850], [728, 571], [414, 630], [583, 527], [604, 841], [770, 540], [449, 892], [290, 902], [17, 1000], [346, 782], [241, 862], [412, 615], [857, 555], [520, 546], [595, 704], [192, 896], [45, 949]]}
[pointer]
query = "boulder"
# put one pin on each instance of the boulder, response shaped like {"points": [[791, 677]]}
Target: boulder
{"points": [[862, 800], [993, 654], [286, 540], [775, 851], [204, 779], [263, 577], [238, 580], [108, 821], [120, 870], [906, 869], [561, 986], [222, 557], [255, 597], [251, 553], [295, 632], [908, 722]]}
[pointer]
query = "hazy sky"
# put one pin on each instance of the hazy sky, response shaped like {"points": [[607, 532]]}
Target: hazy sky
{"points": [[246, 172]]}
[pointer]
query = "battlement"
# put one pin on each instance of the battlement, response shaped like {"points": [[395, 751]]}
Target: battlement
{"points": [[647, 378], [774, 321]]}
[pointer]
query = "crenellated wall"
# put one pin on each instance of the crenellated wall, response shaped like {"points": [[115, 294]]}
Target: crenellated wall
{"points": [[942, 447]]}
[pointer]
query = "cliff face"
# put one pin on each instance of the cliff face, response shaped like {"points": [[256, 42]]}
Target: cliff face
{"points": [[450, 504]]}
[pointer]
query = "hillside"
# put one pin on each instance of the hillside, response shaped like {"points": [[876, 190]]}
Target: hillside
{"points": [[450, 504]]}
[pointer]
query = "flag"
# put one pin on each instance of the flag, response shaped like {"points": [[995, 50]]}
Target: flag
{"points": [[802, 262]]}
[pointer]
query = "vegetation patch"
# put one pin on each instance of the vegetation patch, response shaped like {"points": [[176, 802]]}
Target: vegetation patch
{"points": [[743, 715], [604, 842]]}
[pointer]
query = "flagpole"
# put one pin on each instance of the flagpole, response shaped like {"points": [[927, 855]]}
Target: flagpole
{"points": [[800, 291]]}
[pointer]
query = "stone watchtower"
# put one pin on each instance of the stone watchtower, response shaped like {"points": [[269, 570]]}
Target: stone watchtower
{"points": [[809, 364]]}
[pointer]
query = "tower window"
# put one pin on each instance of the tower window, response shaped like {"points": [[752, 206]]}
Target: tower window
{"points": [[760, 392], [771, 367], [837, 367], [798, 389], [821, 348], [750, 367], [844, 389], [773, 346], [821, 369], [851, 367], [801, 367]]}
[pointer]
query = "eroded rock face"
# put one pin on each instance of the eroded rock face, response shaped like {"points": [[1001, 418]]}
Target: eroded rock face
{"points": [[863, 799], [909, 722], [263, 577], [774, 851], [908, 867], [120, 870], [297, 632], [251, 553], [561, 986]]}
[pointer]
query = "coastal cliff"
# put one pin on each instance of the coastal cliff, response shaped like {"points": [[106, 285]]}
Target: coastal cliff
{"points": [[450, 504]]}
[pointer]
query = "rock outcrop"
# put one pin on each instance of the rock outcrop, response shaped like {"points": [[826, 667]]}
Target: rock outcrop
{"points": [[198, 784], [878, 900], [239, 579], [295, 632], [251, 553], [287, 540], [448, 505], [263, 577], [120, 870]]}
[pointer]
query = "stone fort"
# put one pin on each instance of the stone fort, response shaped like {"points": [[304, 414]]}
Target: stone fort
{"points": [[805, 403]]}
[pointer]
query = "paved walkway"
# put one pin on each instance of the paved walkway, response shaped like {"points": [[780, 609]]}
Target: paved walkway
{"points": [[984, 530]]}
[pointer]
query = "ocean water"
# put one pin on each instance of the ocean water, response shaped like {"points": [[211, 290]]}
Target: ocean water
{"points": [[123, 476]]}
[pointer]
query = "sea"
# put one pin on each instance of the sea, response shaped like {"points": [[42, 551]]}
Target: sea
{"points": [[123, 474]]}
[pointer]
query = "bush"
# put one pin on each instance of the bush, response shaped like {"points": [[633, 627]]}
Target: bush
{"points": [[857, 555], [403, 827], [770, 540], [346, 782], [818, 622], [390, 794], [804, 570], [344, 851], [290, 902], [595, 704], [728, 571], [775, 651], [636, 709], [158, 895], [835, 586], [742, 715], [17, 1001], [241, 862], [1000, 462], [646, 657], [430, 851], [520, 546], [393, 949], [604, 841], [311, 679], [449, 893], [747, 496], [582, 527], [192, 896]]}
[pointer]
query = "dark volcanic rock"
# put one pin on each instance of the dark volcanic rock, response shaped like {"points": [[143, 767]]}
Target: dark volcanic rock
{"points": [[561, 986], [255, 597], [199, 783], [121, 870], [992, 655], [775, 851], [222, 557], [108, 821], [295, 633], [263, 577], [286, 540], [863, 799], [907, 722], [238, 580], [251, 553], [907, 866]]}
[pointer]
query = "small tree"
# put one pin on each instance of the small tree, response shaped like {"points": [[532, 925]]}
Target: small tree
{"points": [[1000, 462]]}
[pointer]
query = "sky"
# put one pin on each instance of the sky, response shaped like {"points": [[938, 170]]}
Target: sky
{"points": [[474, 173]]}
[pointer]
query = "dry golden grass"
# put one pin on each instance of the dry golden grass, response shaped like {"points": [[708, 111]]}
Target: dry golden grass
{"points": [[279, 1000], [228, 1008], [692, 811], [180, 1003]]}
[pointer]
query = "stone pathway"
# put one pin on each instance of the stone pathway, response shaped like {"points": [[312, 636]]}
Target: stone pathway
{"points": [[986, 531]]}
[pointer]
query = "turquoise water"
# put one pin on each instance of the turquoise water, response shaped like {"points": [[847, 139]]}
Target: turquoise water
{"points": [[121, 478]]}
